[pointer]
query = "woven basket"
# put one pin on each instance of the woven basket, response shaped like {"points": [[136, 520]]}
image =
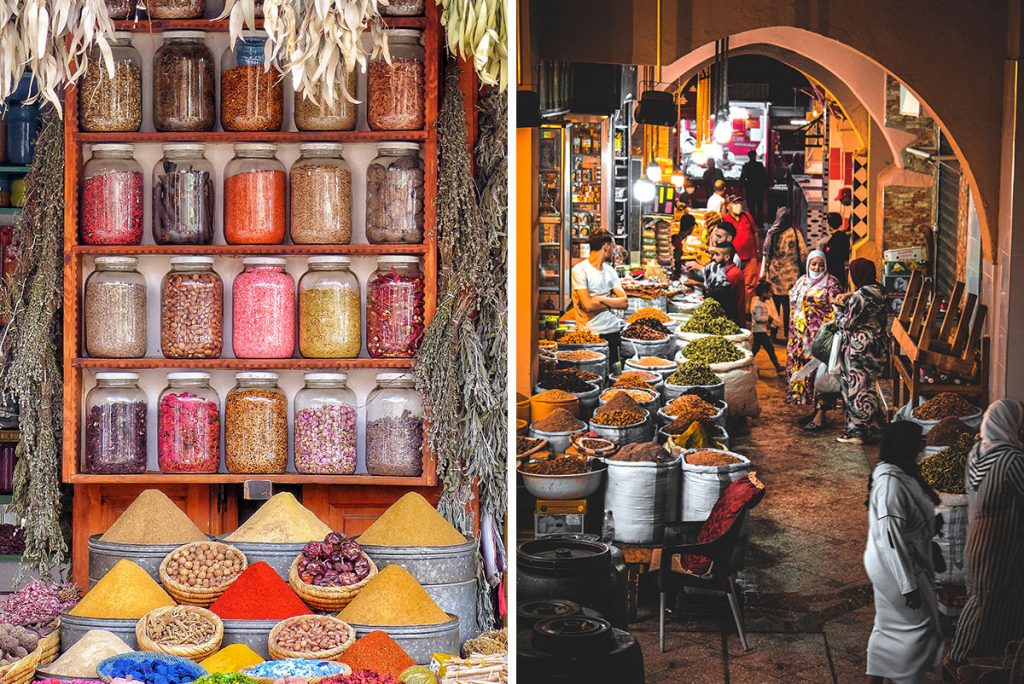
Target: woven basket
{"points": [[194, 652], [330, 599], [280, 653], [197, 596], [23, 671]]}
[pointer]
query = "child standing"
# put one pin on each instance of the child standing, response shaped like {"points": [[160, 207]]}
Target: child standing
{"points": [[764, 314]]}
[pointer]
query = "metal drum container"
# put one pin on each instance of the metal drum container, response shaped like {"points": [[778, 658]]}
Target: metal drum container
{"points": [[660, 348], [558, 442], [73, 628], [599, 347], [651, 406], [674, 391], [718, 419], [104, 555], [252, 633], [663, 371], [625, 434], [575, 649], [598, 365], [421, 642], [588, 399]]}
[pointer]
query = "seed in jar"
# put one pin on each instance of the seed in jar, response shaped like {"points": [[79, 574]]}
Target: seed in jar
{"points": [[251, 99], [256, 431], [110, 105], [314, 114], [329, 323], [325, 440], [395, 94], [184, 88], [321, 204], [191, 315], [394, 315], [115, 320]]}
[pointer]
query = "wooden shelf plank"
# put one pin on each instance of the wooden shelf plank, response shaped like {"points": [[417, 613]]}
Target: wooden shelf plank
{"points": [[242, 364], [221, 25], [229, 137], [235, 478], [247, 250]]}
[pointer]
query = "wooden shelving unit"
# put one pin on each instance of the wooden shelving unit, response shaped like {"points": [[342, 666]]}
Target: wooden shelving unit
{"points": [[348, 503]]}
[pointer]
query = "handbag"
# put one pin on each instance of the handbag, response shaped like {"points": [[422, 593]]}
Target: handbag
{"points": [[821, 347]]}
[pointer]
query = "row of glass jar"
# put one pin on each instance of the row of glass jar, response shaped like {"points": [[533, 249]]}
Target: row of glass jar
{"points": [[255, 197], [251, 96], [255, 422], [195, 9], [263, 309]]}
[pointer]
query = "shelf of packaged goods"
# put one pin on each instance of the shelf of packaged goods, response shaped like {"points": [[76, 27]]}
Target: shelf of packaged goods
{"points": [[230, 137], [246, 250], [221, 25], [235, 478], [241, 364]]}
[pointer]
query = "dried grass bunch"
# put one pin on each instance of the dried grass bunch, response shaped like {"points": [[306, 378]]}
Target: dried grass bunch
{"points": [[477, 31]]}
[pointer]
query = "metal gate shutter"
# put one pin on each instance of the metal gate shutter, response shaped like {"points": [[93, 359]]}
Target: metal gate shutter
{"points": [[946, 248]]}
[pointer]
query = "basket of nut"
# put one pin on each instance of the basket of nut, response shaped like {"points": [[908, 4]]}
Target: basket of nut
{"points": [[327, 575], [313, 637], [185, 631], [198, 573]]}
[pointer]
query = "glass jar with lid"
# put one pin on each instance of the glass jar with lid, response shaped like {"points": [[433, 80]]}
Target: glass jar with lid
{"points": [[109, 104], [191, 309], [183, 196], [263, 310], [22, 128], [325, 425], [111, 202], [175, 9], [394, 308], [256, 425], [394, 195], [184, 84], [330, 311], [316, 114], [251, 96], [394, 427], [254, 196], [115, 309], [321, 196], [115, 425], [188, 425], [395, 95], [402, 8]]}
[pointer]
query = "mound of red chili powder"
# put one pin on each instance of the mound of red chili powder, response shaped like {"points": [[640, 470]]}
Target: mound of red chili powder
{"points": [[259, 593], [379, 653]]}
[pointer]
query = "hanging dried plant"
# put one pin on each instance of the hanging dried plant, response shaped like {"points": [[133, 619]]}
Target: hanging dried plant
{"points": [[477, 31]]}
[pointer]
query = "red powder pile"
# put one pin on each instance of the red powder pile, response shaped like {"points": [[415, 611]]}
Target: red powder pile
{"points": [[377, 652], [259, 593]]}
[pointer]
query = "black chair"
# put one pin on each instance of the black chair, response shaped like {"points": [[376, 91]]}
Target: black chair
{"points": [[680, 539]]}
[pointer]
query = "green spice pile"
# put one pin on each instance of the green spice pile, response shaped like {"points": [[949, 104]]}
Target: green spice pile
{"points": [[945, 405], [225, 678], [580, 336], [644, 452], [692, 373], [709, 319], [559, 420], [947, 431], [945, 470], [560, 381], [709, 308], [712, 349]]}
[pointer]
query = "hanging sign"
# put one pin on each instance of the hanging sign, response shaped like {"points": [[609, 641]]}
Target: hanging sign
{"points": [[664, 200]]}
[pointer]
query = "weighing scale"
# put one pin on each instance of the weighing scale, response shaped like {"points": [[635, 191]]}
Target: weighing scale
{"points": [[558, 517]]}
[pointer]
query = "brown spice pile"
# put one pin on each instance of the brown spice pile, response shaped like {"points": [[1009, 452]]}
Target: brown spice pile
{"points": [[945, 405], [649, 312], [619, 418], [632, 383], [559, 420], [524, 444], [554, 396], [579, 355], [711, 458], [947, 432], [565, 465], [643, 376], [153, 519], [620, 402], [690, 408], [683, 423], [638, 395], [579, 336], [645, 452]]}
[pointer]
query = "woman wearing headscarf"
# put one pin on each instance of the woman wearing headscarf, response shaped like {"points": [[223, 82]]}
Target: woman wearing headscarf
{"points": [[863, 351], [994, 556], [906, 640], [784, 248], [810, 306]]}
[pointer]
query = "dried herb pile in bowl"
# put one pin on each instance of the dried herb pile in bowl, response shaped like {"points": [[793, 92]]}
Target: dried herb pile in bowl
{"points": [[945, 405], [712, 349]]}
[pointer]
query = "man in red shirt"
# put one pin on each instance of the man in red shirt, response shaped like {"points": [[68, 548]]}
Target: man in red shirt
{"points": [[736, 278], [746, 243]]}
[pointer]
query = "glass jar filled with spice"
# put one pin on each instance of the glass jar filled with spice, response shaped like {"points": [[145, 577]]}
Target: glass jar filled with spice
{"points": [[395, 94], [263, 310], [316, 114], [394, 195], [183, 196], [188, 425], [256, 425], [394, 308], [115, 427], [111, 204], [321, 192], [184, 84], [325, 425], [254, 196], [251, 96], [191, 309], [112, 103], [175, 9], [115, 309], [330, 311], [394, 427]]}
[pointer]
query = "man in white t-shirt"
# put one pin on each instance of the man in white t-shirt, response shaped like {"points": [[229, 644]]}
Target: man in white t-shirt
{"points": [[596, 291], [716, 202]]}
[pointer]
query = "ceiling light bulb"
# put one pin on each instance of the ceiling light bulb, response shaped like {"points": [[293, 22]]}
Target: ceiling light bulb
{"points": [[723, 132], [653, 172], [644, 190], [678, 177]]}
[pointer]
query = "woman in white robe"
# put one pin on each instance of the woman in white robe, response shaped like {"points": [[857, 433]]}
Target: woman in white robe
{"points": [[905, 641]]}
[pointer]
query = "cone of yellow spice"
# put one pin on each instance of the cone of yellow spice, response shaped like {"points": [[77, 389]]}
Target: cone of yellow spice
{"points": [[127, 592], [411, 521], [393, 598], [231, 659]]}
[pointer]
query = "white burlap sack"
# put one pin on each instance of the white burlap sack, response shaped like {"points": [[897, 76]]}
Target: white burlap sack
{"points": [[740, 379], [702, 485], [642, 498], [972, 421], [953, 539]]}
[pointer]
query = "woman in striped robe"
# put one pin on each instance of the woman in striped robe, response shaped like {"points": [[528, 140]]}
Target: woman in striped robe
{"points": [[994, 556]]}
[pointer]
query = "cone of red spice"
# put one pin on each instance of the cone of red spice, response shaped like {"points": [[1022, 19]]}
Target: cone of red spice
{"points": [[259, 593], [377, 652]]}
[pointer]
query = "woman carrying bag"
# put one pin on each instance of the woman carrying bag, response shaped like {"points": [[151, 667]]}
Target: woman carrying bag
{"points": [[783, 261]]}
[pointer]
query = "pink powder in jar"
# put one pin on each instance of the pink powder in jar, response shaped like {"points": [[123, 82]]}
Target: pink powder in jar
{"points": [[263, 310]]}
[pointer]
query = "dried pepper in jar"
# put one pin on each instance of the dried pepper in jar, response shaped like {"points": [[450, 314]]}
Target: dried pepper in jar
{"points": [[395, 308]]}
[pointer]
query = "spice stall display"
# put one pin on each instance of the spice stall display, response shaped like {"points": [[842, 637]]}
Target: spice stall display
{"points": [[281, 520], [80, 661], [127, 592]]}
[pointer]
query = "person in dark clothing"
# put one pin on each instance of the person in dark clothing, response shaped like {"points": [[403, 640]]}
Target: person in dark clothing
{"points": [[764, 317], [712, 174], [686, 224], [754, 177], [722, 280], [836, 248], [688, 194]]}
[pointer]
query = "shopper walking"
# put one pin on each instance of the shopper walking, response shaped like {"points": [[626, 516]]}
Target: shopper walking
{"points": [[783, 261], [810, 306], [863, 352], [754, 177], [994, 556], [745, 242], [712, 175], [836, 247], [905, 641], [597, 292], [764, 316]]}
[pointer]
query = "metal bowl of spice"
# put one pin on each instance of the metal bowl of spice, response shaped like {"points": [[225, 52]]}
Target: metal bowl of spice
{"points": [[540, 479]]}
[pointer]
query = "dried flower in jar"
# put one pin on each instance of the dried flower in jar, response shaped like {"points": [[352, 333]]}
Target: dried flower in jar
{"points": [[394, 445], [188, 433], [394, 315], [115, 437], [325, 440]]}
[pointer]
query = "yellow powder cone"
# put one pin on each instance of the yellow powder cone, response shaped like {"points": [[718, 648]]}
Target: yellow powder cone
{"points": [[411, 521], [127, 592], [153, 519], [231, 659], [393, 598], [282, 520]]}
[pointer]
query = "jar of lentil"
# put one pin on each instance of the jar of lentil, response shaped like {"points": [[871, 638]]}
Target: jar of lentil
{"points": [[188, 425], [394, 427], [184, 84], [394, 308], [256, 425], [254, 196], [263, 310], [318, 115], [329, 310], [251, 96], [394, 195], [176, 9], [395, 92], [325, 425], [191, 309], [115, 309], [115, 425], [108, 104], [183, 196], [111, 203], [119, 9], [402, 8], [321, 192]]}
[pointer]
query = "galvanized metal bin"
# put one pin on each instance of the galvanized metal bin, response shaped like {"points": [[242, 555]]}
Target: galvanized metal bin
{"points": [[421, 642], [73, 628], [253, 633], [626, 434], [588, 399], [277, 556], [104, 555]]}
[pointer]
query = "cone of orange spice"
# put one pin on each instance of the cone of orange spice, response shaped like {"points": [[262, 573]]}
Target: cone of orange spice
{"points": [[377, 652]]}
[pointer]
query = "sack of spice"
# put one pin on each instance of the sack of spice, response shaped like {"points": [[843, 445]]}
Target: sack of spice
{"points": [[944, 405], [693, 374], [945, 470], [559, 421], [703, 484], [946, 432], [739, 376]]}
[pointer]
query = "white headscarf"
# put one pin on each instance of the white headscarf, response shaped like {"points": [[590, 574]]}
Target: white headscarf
{"points": [[1001, 425], [812, 282]]}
